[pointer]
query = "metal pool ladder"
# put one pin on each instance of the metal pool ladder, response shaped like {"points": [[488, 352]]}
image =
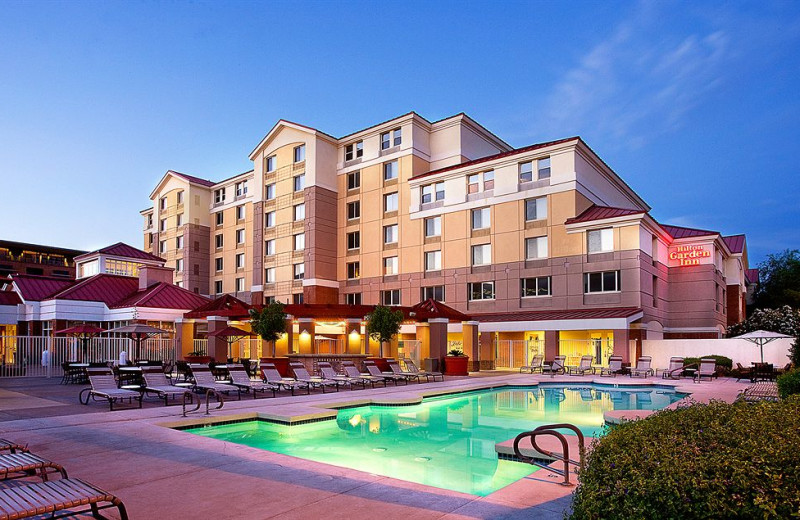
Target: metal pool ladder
{"points": [[550, 429], [209, 393]]}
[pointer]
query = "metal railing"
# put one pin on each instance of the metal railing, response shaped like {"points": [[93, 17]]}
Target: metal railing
{"points": [[200, 347], [515, 353], [573, 349], [550, 429], [409, 348]]}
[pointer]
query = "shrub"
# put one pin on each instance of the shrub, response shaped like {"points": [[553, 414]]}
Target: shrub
{"points": [[714, 460], [724, 364], [789, 383]]}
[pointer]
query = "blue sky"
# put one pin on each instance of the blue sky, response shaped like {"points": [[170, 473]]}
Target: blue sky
{"points": [[694, 104]]}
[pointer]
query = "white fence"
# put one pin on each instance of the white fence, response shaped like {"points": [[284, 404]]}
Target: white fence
{"points": [[200, 347], [573, 349], [739, 350], [40, 356]]}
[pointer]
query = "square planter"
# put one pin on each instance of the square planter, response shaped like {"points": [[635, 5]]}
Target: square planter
{"points": [[456, 365]]}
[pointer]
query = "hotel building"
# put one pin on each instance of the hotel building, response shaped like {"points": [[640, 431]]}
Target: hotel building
{"points": [[542, 245]]}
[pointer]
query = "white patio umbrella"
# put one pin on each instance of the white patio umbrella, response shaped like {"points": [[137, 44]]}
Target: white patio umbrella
{"points": [[761, 338]]}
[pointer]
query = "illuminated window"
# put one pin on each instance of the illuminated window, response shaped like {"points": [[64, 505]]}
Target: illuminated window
{"points": [[353, 270]]}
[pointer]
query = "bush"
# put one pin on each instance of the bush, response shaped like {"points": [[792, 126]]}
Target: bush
{"points": [[724, 364], [789, 383], [714, 460]]}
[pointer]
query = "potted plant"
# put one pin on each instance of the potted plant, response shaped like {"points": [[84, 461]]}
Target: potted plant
{"points": [[456, 363], [383, 324], [270, 323], [197, 356]]}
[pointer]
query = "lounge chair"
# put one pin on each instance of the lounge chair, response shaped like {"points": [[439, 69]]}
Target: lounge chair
{"points": [[104, 386], [241, 379], [47, 498], [676, 368], [396, 370], [205, 380], [708, 368], [272, 376], [535, 366], [20, 465], [11, 446], [584, 366], [373, 370], [328, 372], [156, 382], [642, 368], [351, 371], [614, 367], [556, 367], [411, 367], [301, 374]]}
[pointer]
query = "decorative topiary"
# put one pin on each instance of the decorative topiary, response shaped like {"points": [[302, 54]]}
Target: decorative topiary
{"points": [[714, 460], [789, 383]]}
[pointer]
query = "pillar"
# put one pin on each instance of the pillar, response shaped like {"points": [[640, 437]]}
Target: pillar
{"points": [[217, 346], [184, 337], [438, 338], [469, 335], [487, 352], [551, 339], [622, 345], [306, 331]]}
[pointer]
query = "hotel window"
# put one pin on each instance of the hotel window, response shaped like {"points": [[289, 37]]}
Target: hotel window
{"points": [[163, 224], [536, 209], [180, 197], [218, 287], [299, 241], [433, 260], [390, 202], [239, 284], [240, 261], [179, 265], [240, 212], [353, 180], [432, 293], [601, 240], [299, 271], [473, 183], [539, 286], [391, 139], [300, 153], [299, 212], [269, 275], [218, 264], [149, 221], [482, 254], [219, 196], [270, 164], [220, 218], [543, 166], [433, 227], [178, 242], [354, 240], [390, 170], [218, 241], [269, 219], [432, 192], [297, 298], [488, 180], [179, 219], [354, 151], [162, 246], [480, 291], [269, 299], [535, 248], [655, 291], [390, 297], [269, 247], [390, 265], [300, 182], [526, 171], [390, 234], [269, 192], [240, 236], [352, 299], [481, 218], [163, 203], [607, 281], [241, 189], [353, 210], [353, 270]]}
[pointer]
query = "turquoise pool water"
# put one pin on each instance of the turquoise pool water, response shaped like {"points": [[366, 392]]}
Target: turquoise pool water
{"points": [[446, 442]]}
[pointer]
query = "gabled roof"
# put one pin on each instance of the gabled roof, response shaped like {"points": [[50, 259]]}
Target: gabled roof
{"points": [[287, 123], [9, 298], [735, 243], [162, 296], [225, 305], [595, 212], [751, 275], [34, 288], [677, 232], [578, 314], [431, 308], [106, 288], [191, 178], [123, 250]]}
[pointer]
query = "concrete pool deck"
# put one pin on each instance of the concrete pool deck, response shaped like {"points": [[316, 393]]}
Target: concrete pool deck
{"points": [[159, 472]]}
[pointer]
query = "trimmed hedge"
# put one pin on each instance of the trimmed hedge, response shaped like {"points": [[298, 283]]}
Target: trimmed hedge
{"points": [[714, 460], [789, 383]]}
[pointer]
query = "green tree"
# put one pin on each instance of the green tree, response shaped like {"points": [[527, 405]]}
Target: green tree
{"points": [[779, 281], [269, 322], [383, 324]]}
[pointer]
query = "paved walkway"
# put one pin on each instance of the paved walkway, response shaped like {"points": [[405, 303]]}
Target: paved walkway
{"points": [[160, 472]]}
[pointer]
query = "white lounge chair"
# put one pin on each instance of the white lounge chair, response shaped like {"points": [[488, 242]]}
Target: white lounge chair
{"points": [[642, 368], [556, 367], [584, 366], [535, 365]]}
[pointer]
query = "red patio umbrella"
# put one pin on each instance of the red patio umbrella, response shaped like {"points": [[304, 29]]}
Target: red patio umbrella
{"points": [[83, 333]]}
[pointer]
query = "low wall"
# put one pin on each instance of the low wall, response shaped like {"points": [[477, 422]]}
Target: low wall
{"points": [[739, 350]]}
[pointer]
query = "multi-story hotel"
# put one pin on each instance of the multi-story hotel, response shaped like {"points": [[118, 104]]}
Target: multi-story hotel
{"points": [[543, 243]]}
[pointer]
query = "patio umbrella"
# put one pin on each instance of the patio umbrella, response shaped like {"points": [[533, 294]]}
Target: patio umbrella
{"points": [[83, 333], [231, 335], [761, 338], [137, 333]]}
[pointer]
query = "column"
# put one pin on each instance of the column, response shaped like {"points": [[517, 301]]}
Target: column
{"points": [[217, 346], [487, 352], [551, 339], [622, 345], [438, 338], [469, 335], [184, 337]]}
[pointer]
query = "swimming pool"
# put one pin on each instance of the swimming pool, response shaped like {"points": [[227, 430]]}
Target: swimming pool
{"points": [[446, 442]]}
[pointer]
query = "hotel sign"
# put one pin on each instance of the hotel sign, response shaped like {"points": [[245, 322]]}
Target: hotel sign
{"points": [[683, 256]]}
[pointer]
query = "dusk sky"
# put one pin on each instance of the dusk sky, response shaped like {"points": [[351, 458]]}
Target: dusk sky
{"points": [[695, 104]]}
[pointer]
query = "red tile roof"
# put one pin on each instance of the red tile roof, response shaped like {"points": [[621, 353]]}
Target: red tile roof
{"points": [[162, 296], [684, 232], [581, 314], [34, 288], [595, 212], [497, 156], [192, 178], [225, 305], [124, 250], [751, 275], [735, 243], [9, 298], [106, 288], [434, 309]]}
